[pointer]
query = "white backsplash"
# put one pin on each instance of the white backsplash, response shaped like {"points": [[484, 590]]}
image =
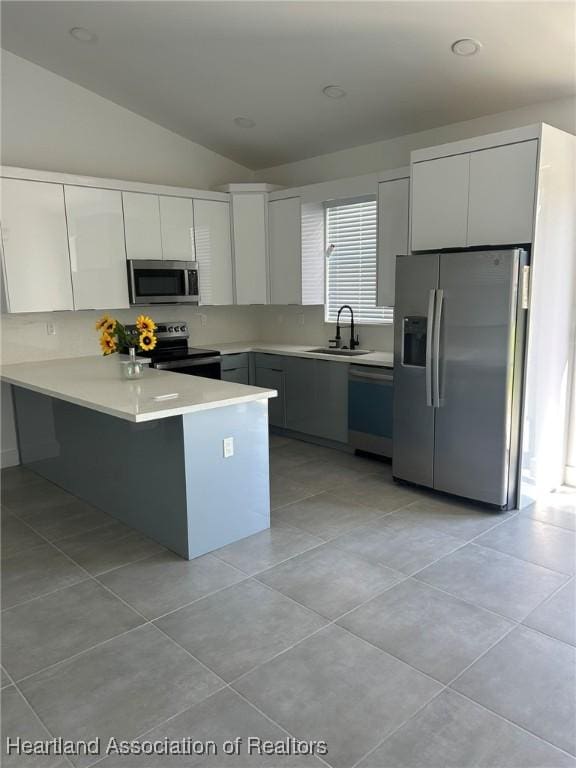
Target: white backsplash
{"points": [[25, 337], [305, 325]]}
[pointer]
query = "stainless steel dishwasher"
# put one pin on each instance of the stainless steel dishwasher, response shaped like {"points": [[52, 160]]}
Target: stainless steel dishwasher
{"points": [[370, 411]]}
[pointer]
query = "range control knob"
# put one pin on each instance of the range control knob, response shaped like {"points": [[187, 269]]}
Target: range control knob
{"points": [[170, 328]]}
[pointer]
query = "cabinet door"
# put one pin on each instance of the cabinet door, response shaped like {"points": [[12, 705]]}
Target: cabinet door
{"points": [[331, 390], [35, 247], [142, 226], [317, 397], [250, 252], [501, 204], [285, 250], [235, 360], [213, 251], [177, 228], [301, 405], [273, 378], [236, 375], [97, 252], [393, 206], [439, 212]]}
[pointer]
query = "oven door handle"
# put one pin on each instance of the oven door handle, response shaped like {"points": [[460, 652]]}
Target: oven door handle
{"points": [[186, 363]]}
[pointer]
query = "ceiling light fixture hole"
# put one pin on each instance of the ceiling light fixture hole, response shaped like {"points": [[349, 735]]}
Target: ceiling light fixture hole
{"points": [[467, 46], [83, 35], [334, 91]]}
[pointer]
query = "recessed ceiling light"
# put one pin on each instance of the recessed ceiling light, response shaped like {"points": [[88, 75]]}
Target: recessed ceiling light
{"points": [[83, 35], [244, 122], [466, 47], [334, 92]]}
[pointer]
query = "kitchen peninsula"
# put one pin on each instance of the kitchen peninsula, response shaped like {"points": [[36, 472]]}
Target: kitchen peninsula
{"points": [[149, 452]]}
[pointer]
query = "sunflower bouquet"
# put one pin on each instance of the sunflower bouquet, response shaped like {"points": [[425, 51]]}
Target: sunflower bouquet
{"points": [[115, 338]]}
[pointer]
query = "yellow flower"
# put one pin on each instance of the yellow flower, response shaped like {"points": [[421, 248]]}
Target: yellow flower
{"points": [[108, 344], [106, 324], [147, 341], [145, 323]]}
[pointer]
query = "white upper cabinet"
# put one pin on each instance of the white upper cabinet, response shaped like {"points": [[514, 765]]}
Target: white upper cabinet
{"points": [[482, 197], [439, 213], [142, 226], [213, 251], [97, 252], [501, 202], [393, 207], [285, 250], [35, 247], [177, 228], [249, 214]]}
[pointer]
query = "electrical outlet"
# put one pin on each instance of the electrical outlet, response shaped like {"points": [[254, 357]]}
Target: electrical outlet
{"points": [[280, 319], [203, 321], [301, 318], [50, 329], [228, 445]]}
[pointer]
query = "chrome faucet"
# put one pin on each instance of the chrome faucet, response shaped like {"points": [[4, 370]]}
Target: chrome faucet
{"points": [[354, 340]]}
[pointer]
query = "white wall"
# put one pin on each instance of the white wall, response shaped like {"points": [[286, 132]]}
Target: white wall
{"points": [[52, 124], [571, 453], [394, 153]]}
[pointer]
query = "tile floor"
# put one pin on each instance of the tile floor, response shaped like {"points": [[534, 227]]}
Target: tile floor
{"points": [[404, 629]]}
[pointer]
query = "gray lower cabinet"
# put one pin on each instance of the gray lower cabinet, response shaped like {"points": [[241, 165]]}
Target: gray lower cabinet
{"points": [[317, 398], [236, 375], [313, 394], [235, 368], [273, 377]]}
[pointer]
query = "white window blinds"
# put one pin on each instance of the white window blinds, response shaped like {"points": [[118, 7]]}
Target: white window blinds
{"points": [[351, 267]]}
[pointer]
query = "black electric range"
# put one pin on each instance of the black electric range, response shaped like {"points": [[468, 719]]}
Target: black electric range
{"points": [[172, 352]]}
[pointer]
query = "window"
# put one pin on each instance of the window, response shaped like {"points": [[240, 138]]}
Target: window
{"points": [[351, 266]]}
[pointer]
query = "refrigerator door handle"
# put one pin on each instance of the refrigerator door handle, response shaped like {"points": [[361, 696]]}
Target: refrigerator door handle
{"points": [[436, 348], [431, 302]]}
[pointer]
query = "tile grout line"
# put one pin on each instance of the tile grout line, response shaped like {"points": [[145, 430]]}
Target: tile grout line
{"points": [[146, 621], [516, 622], [448, 687], [78, 565], [36, 715], [253, 576], [330, 622], [225, 685]]}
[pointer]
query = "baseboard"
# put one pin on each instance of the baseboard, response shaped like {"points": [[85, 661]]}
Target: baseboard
{"points": [[9, 457], [570, 476]]}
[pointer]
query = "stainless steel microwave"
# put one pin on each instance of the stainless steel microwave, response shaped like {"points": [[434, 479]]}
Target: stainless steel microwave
{"points": [[163, 282]]}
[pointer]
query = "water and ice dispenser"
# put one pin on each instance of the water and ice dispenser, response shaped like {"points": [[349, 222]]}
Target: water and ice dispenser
{"points": [[414, 341]]}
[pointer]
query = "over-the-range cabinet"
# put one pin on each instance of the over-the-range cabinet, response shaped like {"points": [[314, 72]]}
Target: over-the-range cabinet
{"points": [[458, 367]]}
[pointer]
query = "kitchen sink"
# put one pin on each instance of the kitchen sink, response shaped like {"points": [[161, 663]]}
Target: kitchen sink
{"points": [[343, 352]]}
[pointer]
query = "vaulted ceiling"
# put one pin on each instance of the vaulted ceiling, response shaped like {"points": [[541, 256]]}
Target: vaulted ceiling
{"points": [[194, 67]]}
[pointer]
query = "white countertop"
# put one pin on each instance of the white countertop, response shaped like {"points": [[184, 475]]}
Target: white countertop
{"points": [[382, 359], [97, 383]]}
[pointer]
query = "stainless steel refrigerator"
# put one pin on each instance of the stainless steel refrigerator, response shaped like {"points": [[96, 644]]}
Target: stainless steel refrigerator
{"points": [[459, 339]]}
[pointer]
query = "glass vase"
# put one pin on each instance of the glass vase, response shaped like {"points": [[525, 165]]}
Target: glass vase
{"points": [[133, 367]]}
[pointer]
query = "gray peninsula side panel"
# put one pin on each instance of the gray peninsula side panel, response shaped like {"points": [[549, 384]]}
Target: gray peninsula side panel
{"points": [[228, 497], [134, 472]]}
